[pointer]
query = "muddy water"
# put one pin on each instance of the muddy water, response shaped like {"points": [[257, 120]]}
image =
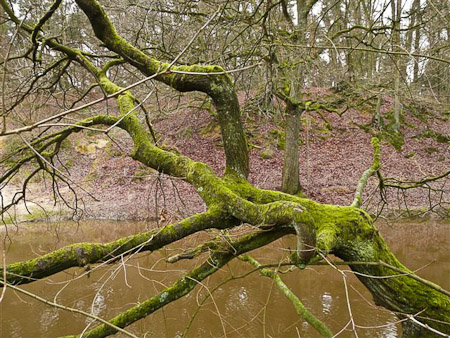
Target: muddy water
{"points": [[243, 307]]}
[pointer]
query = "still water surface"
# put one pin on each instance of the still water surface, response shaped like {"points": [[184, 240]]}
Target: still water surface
{"points": [[250, 307]]}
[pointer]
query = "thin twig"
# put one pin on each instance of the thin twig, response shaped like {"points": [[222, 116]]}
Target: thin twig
{"points": [[53, 167], [4, 73], [4, 273], [59, 306], [193, 38]]}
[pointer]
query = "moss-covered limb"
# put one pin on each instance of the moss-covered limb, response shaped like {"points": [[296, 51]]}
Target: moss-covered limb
{"points": [[213, 190], [106, 32], [277, 213], [417, 278], [401, 294], [302, 311], [328, 221], [81, 254], [125, 98], [218, 86], [357, 201], [184, 285], [349, 233]]}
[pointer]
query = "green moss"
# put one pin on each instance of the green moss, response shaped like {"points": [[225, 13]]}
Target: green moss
{"points": [[267, 154], [396, 139], [431, 150], [376, 153], [187, 132], [442, 138], [410, 155], [93, 173], [143, 173], [211, 129], [66, 144], [433, 135], [69, 163], [280, 137]]}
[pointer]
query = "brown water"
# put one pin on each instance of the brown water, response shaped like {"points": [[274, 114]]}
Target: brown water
{"points": [[250, 307]]}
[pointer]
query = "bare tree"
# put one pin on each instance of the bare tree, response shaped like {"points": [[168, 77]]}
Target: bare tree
{"points": [[345, 231]]}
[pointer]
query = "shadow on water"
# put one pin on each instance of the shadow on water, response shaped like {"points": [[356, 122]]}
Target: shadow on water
{"points": [[243, 307]]}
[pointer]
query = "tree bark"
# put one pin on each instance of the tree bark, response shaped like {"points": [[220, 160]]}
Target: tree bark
{"points": [[396, 7], [291, 172], [182, 78], [346, 231]]}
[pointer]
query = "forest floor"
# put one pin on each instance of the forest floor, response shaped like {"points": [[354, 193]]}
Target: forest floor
{"points": [[334, 151]]}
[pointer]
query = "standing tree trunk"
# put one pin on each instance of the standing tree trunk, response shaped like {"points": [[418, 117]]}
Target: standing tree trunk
{"points": [[291, 172], [291, 175], [418, 16], [396, 7]]}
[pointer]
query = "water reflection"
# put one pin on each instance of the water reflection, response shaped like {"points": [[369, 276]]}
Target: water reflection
{"points": [[327, 299], [390, 331], [48, 318], [250, 307]]}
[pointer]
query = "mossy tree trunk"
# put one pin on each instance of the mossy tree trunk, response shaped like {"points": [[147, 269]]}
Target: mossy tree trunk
{"points": [[346, 231]]}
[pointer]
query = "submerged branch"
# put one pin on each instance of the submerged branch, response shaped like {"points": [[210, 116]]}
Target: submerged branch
{"points": [[302, 311], [188, 282]]}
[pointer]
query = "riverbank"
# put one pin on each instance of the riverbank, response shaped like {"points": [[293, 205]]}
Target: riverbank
{"points": [[334, 152]]}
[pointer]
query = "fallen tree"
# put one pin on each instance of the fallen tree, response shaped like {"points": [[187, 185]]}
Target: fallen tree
{"points": [[347, 232]]}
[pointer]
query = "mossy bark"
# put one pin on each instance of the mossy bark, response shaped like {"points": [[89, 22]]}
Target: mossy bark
{"points": [[188, 282], [348, 232], [83, 254], [182, 78], [400, 294]]}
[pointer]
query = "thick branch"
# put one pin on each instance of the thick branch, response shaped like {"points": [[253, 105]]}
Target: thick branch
{"points": [[218, 87], [82, 254], [401, 294], [43, 20]]}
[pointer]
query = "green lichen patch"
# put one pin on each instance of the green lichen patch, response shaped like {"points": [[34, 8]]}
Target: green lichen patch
{"points": [[267, 154], [431, 150]]}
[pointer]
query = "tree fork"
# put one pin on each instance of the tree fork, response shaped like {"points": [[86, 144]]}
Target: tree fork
{"points": [[218, 86]]}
